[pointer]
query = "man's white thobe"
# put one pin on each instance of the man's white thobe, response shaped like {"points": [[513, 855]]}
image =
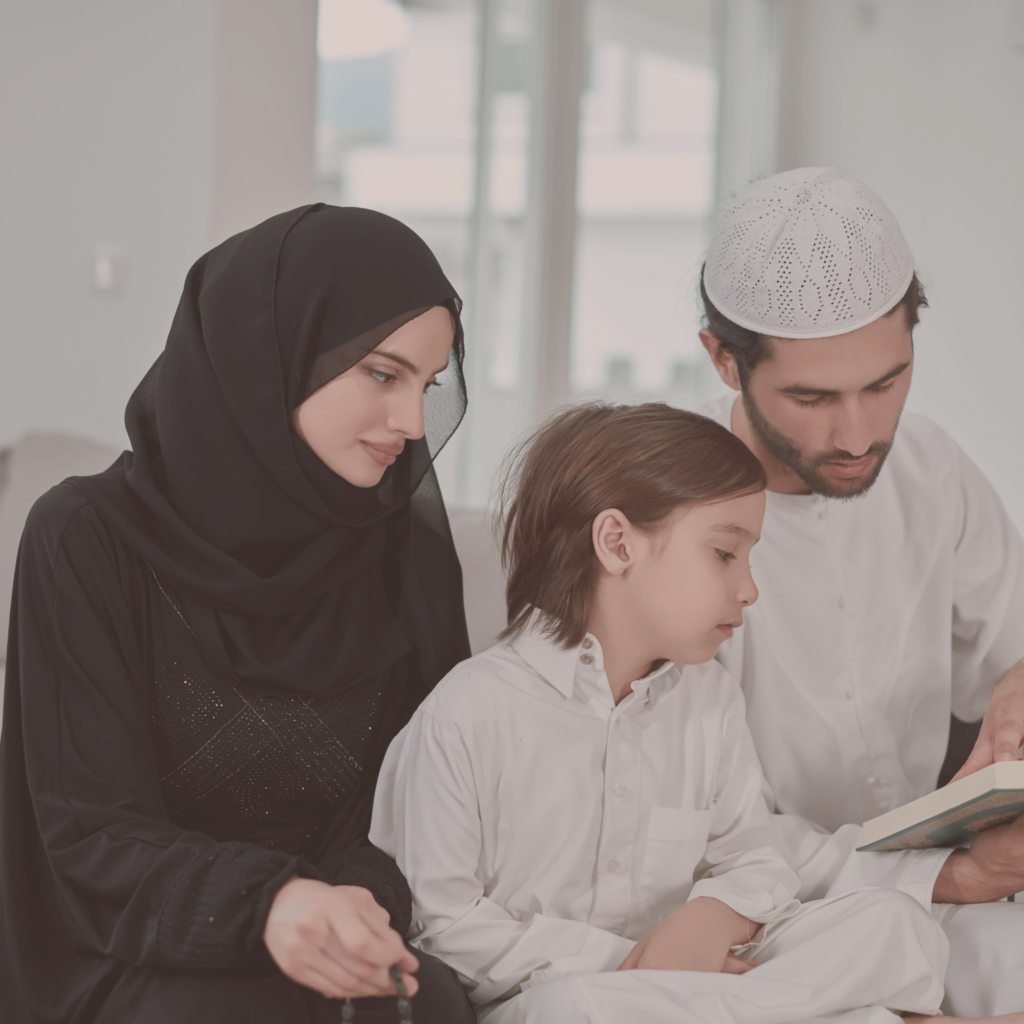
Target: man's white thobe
{"points": [[878, 616], [544, 829]]}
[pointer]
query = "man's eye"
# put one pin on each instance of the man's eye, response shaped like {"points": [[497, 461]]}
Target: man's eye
{"points": [[811, 403], [883, 388]]}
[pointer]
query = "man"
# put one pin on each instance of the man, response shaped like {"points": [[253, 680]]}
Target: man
{"points": [[891, 578]]}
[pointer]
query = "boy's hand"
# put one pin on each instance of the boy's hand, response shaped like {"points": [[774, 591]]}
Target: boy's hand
{"points": [[737, 964], [696, 937]]}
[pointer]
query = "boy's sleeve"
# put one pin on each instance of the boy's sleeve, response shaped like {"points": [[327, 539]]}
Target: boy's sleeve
{"points": [[742, 866], [828, 863], [426, 815]]}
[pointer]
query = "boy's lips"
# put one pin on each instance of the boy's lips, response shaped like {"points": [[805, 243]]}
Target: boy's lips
{"points": [[728, 627]]}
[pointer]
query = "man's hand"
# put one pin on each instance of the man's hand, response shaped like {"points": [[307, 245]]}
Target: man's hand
{"points": [[336, 939], [1002, 730], [696, 937], [992, 868]]}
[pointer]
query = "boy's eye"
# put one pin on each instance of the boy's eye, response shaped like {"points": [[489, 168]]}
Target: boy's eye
{"points": [[724, 555]]}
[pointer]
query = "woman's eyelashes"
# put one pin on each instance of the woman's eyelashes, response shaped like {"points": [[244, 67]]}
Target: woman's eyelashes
{"points": [[385, 378], [381, 376], [725, 556]]}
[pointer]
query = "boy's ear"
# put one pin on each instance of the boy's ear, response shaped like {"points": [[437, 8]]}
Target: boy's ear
{"points": [[722, 359], [612, 534]]}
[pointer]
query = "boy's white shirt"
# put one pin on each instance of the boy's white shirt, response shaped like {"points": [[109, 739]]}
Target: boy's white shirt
{"points": [[876, 618], [544, 830]]}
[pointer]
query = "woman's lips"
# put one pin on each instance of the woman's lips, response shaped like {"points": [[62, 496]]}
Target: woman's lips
{"points": [[385, 454], [728, 627]]}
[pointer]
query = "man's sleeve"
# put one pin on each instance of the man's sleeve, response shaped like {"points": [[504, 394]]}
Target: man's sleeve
{"points": [[988, 593]]}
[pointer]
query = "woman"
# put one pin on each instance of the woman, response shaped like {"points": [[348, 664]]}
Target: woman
{"points": [[213, 642]]}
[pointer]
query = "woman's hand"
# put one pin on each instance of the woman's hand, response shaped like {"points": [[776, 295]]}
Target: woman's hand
{"points": [[336, 939], [696, 937]]}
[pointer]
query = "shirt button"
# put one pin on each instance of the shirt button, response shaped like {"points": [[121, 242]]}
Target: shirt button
{"points": [[586, 658], [613, 866], [871, 780], [842, 602], [587, 643], [621, 792], [849, 694], [821, 515]]}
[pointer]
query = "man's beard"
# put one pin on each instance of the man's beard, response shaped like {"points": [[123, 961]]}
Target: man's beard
{"points": [[790, 456]]}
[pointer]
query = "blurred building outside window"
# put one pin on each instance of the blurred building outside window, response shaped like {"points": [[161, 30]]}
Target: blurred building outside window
{"points": [[403, 97]]}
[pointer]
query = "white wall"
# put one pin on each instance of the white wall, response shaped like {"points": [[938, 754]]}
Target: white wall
{"points": [[924, 101], [144, 127]]}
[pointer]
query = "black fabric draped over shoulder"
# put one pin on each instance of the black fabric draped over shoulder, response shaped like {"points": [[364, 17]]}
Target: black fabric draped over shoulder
{"points": [[213, 642]]}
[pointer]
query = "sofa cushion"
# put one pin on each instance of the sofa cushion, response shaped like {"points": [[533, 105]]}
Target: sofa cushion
{"points": [[31, 467]]}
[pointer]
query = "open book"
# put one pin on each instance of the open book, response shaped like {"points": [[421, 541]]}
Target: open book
{"points": [[951, 815]]}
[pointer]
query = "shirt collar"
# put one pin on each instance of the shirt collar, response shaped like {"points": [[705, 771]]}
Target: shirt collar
{"points": [[552, 663], [579, 668]]}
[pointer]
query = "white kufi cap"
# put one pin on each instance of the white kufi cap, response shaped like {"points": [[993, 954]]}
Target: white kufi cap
{"points": [[808, 253]]}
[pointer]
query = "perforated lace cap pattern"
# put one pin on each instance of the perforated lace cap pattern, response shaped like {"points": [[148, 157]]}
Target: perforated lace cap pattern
{"points": [[809, 253]]}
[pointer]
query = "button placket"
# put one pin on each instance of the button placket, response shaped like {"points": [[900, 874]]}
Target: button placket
{"points": [[611, 907]]}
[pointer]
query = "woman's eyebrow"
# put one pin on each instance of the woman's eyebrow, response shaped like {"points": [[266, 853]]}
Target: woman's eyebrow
{"points": [[402, 361], [394, 357]]}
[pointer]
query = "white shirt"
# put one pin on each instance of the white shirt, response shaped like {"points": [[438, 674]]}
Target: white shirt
{"points": [[543, 829], [877, 616]]}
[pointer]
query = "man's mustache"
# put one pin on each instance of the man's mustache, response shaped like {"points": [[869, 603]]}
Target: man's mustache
{"points": [[879, 448]]}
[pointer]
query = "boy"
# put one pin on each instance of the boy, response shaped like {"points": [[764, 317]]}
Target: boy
{"points": [[579, 810]]}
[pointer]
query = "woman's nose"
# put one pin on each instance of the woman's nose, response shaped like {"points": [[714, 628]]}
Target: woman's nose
{"points": [[406, 414]]}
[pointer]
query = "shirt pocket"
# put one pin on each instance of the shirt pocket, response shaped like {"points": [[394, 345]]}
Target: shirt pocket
{"points": [[675, 844]]}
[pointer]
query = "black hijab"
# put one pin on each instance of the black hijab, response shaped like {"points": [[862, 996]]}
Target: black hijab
{"points": [[297, 580]]}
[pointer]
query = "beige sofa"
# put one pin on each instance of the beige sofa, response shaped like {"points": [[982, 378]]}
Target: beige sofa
{"points": [[29, 468]]}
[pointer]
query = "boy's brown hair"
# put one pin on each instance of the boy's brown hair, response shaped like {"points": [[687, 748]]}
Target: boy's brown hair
{"points": [[644, 460]]}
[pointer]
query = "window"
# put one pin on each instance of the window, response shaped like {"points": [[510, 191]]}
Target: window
{"points": [[559, 160]]}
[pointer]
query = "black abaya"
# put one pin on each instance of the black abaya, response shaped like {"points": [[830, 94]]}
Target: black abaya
{"points": [[199, 694]]}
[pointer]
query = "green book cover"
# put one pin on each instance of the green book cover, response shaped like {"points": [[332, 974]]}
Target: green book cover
{"points": [[953, 815]]}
